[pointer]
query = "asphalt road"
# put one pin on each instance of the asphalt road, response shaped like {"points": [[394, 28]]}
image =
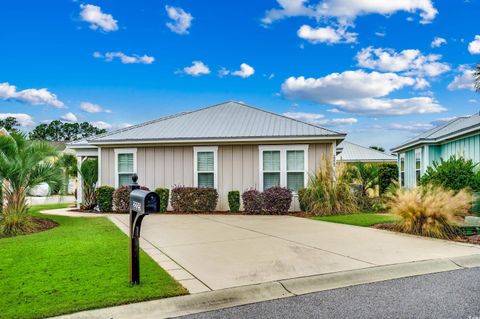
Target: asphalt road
{"points": [[454, 294]]}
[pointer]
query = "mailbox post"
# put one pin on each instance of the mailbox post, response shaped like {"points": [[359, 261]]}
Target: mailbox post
{"points": [[142, 203]]}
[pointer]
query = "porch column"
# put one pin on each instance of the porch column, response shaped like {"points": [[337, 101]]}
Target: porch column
{"points": [[79, 182]]}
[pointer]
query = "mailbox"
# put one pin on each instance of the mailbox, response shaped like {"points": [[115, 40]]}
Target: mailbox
{"points": [[142, 203]]}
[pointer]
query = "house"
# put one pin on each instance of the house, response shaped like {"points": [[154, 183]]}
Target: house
{"points": [[229, 146], [348, 152], [458, 137]]}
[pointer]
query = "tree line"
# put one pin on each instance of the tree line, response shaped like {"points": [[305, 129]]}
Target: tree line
{"points": [[56, 131]]}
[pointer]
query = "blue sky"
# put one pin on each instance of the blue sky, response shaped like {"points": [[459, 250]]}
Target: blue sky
{"points": [[368, 68]]}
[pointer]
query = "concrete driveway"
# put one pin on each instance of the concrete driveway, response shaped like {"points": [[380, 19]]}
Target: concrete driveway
{"points": [[210, 252]]}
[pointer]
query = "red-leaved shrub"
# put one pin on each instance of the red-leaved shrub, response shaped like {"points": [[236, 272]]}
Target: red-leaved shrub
{"points": [[277, 200], [252, 201], [193, 199], [121, 199]]}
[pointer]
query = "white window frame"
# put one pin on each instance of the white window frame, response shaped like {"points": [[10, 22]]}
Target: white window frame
{"points": [[118, 151], [213, 149], [418, 151], [283, 161], [401, 157]]}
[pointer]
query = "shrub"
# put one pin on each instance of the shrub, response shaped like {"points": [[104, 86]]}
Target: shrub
{"points": [[328, 193], [163, 193], [363, 175], [387, 174], [252, 201], [194, 199], [454, 173], [429, 210], [105, 198], [15, 222], [234, 201], [277, 200], [121, 199]]}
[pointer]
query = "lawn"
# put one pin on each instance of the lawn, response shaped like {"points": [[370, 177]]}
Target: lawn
{"points": [[360, 219], [81, 264]]}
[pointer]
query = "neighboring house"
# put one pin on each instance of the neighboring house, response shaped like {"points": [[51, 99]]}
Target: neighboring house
{"points": [[458, 137], [348, 152], [229, 146]]}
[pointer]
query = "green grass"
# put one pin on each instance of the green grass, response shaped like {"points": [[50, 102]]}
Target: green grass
{"points": [[361, 219], [81, 264]]}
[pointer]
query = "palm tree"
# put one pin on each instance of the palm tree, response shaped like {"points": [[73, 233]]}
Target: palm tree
{"points": [[365, 175], [476, 77], [89, 173], [68, 163], [24, 164]]}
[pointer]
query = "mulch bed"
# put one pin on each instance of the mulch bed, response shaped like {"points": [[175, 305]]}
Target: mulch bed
{"points": [[41, 224], [474, 239]]}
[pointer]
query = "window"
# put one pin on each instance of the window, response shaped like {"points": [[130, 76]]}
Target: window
{"points": [[283, 165], [402, 170], [125, 166], [418, 165], [205, 166], [295, 170], [271, 169]]}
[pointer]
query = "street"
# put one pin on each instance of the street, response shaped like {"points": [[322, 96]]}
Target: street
{"points": [[453, 294]]}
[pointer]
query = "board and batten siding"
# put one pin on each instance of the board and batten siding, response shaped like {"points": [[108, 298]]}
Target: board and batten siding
{"points": [[238, 167]]}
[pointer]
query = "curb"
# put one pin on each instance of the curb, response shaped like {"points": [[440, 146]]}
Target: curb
{"points": [[231, 297]]}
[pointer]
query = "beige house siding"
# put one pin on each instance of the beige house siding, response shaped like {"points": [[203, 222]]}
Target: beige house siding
{"points": [[238, 167]]}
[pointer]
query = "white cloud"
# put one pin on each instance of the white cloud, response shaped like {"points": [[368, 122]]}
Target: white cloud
{"points": [[464, 80], [346, 11], [380, 34], [360, 92], [245, 71], [198, 68], [410, 127], [22, 118], [411, 61], [181, 20], [98, 19], [438, 42], [125, 59], [102, 125], [313, 118], [70, 117], [93, 108], [326, 35], [319, 119], [29, 96], [474, 46]]}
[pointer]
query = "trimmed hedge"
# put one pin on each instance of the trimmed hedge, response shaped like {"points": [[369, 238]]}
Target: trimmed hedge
{"points": [[105, 198], [234, 201], [252, 201], [163, 193], [121, 199], [277, 200], [193, 199]]}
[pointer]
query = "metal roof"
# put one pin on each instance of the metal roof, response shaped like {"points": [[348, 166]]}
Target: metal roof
{"points": [[350, 152], [453, 128], [229, 120]]}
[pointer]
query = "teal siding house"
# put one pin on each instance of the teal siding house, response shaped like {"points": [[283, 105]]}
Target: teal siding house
{"points": [[459, 137]]}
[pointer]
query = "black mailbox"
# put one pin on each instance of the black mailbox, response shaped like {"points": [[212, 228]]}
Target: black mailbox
{"points": [[142, 203]]}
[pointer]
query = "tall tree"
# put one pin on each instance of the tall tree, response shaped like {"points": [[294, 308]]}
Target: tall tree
{"points": [[10, 124], [64, 132], [24, 164]]}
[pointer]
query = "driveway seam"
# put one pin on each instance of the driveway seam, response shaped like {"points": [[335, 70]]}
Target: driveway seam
{"points": [[156, 247], [292, 241]]}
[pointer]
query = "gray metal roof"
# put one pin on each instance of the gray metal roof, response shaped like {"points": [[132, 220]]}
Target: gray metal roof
{"points": [[455, 127], [350, 152], [229, 120]]}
